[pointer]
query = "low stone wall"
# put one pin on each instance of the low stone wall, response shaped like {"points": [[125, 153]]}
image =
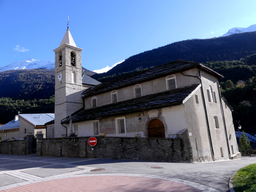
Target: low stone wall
{"points": [[18, 147], [148, 149]]}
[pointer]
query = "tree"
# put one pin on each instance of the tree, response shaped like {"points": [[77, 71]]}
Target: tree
{"points": [[229, 84], [244, 145]]}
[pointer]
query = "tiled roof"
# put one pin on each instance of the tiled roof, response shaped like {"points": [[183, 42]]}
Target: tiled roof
{"points": [[153, 101], [38, 119], [152, 73]]}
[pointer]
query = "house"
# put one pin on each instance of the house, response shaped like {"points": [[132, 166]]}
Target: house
{"points": [[159, 102], [24, 124], [10, 129]]}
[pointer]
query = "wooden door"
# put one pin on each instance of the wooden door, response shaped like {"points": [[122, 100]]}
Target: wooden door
{"points": [[156, 129]]}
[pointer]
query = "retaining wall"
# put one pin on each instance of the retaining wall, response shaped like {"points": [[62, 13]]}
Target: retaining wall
{"points": [[149, 149], [18, 147]]}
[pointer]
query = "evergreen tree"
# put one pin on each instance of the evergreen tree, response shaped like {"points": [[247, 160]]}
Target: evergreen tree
{"points": [[244, 145]]}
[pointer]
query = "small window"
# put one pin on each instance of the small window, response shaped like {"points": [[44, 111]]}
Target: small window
{"points": [[137, 91], [25, 131], [170, 82], [73, 77], [232, 149], [73, 58], [214, 97], [196, 98], [76, 129], [209, 96], [216, 122], [60, 59], [114, 96], [96, 128], [120, 125], [221, 152], [94, 102]]}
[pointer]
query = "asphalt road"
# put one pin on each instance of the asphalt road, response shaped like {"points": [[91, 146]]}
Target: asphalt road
{"points": [[21, 170]]}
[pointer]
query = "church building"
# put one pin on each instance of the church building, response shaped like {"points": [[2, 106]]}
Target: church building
{"points": [[161, 102]]}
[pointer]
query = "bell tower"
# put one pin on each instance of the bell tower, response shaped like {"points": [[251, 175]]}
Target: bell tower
{"points": [[68, 81]]}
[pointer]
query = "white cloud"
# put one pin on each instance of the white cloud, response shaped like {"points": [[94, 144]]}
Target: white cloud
{"points": [[212, 32], [20, 49], [107, 68]]}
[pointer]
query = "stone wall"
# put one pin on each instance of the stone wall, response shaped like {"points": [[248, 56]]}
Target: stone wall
{"points": [[148, 149], [18, 147]]}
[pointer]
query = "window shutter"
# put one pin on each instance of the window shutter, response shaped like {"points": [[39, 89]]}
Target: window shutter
{"points": [[138, 92], [114, 98], [121, 126], [171, 84], [93, 102]]}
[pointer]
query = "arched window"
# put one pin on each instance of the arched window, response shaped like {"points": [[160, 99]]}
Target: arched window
{"points": [[73, 58], [60, 59], [73, 78], [137, 91], [209, 94], [216, 121], [114, 96], [171, 82]]}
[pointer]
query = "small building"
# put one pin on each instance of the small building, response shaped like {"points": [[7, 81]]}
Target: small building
{"points": [[24, 124]]}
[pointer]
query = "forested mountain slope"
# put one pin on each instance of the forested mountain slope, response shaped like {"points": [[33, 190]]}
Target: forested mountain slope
{"points": [[229, 48]]}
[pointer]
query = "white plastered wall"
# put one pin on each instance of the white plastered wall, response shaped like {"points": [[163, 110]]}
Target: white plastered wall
{"points": [[230, 129], [218, 135], [148, 87]]}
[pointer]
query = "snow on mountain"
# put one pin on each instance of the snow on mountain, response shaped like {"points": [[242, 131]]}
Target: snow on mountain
{"points": [[30, 63], [240, 30]]}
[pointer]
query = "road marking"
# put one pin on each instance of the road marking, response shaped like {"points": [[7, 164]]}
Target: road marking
{"points": [[23, 176]]}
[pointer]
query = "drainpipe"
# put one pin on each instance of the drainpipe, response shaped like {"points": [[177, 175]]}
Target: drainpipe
{"points": [[205, 111], [224, 120], [65, 128]]}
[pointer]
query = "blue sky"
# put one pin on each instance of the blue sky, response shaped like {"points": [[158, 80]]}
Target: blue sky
{"points": [[110, 31]]}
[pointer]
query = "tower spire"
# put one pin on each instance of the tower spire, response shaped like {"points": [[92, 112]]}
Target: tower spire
{"points": [[68, 23]]}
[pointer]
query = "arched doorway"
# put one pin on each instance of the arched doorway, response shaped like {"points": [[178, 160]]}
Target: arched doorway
{"points": [[156, 129]]}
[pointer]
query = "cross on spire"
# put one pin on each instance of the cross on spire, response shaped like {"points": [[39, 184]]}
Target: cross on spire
{"points": [[68, 23]]}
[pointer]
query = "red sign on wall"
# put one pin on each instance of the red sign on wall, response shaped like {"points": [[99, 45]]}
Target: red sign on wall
{"points": [[92, 141]]}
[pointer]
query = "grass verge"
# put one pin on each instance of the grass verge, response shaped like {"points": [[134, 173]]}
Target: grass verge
{"points": [[245, 179]]}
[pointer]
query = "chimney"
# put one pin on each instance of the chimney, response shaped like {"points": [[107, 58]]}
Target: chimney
{"points": [[16, 117]]}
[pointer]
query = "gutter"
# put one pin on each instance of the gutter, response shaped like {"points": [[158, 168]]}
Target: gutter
{"points": [[65, 128]]}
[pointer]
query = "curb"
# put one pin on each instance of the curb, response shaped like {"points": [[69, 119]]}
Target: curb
{"points": [[230, 185]]}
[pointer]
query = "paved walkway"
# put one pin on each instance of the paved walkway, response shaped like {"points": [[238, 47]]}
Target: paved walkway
{"points": [[33, 173]]}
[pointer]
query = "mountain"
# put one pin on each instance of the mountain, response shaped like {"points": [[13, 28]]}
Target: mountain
{"points": [[29, 63], [237, 30], [27, 84], [233, 47]]}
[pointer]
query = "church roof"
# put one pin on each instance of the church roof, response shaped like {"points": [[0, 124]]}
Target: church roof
{"points": [[152, 73], [89, 81], [153, 101], [68, 39]]}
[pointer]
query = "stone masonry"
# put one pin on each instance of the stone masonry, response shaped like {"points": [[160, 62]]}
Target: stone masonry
{"points": [[148, 149]]}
